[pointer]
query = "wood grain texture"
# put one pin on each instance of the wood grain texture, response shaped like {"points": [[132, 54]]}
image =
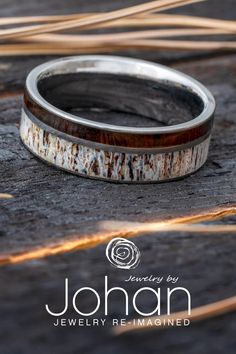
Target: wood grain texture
{"points": [[50, 205]]}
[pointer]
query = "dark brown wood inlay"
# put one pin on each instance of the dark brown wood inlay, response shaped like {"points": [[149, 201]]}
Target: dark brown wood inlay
{"points": [[103, 136]]}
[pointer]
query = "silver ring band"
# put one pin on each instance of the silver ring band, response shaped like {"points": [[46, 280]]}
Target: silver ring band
{"points": [[54, 129]]}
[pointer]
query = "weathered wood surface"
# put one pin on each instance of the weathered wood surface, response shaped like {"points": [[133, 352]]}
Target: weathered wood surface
{"points": [[49, 205]]}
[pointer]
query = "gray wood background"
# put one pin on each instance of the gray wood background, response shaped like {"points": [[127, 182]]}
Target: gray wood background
{"points": [[50, 205]]}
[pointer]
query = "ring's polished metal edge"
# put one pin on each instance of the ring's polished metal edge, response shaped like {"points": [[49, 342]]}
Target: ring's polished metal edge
{"points": [[114, 166], [111, 152], [125, 66]]}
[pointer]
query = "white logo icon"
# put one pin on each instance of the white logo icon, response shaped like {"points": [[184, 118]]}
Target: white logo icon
{"points": [[123, 253]]}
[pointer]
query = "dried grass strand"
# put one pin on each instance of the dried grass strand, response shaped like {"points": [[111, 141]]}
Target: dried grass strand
{"points": [[6, 196], [197, 314], [148, 20], [181, 45], [157, 5], [67, 39], [140, 44]]}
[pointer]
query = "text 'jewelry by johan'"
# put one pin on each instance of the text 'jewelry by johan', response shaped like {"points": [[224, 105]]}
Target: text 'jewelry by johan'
{"points": [[53, 130]]}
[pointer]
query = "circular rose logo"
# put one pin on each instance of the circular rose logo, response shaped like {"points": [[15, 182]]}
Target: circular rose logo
{"points": [[123, 253]]}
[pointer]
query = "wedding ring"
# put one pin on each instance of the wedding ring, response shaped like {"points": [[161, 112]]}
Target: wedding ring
{"points": [[70, 104]]}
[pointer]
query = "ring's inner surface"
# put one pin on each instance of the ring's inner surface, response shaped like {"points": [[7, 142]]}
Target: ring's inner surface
{"points": [[121, 99]]}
